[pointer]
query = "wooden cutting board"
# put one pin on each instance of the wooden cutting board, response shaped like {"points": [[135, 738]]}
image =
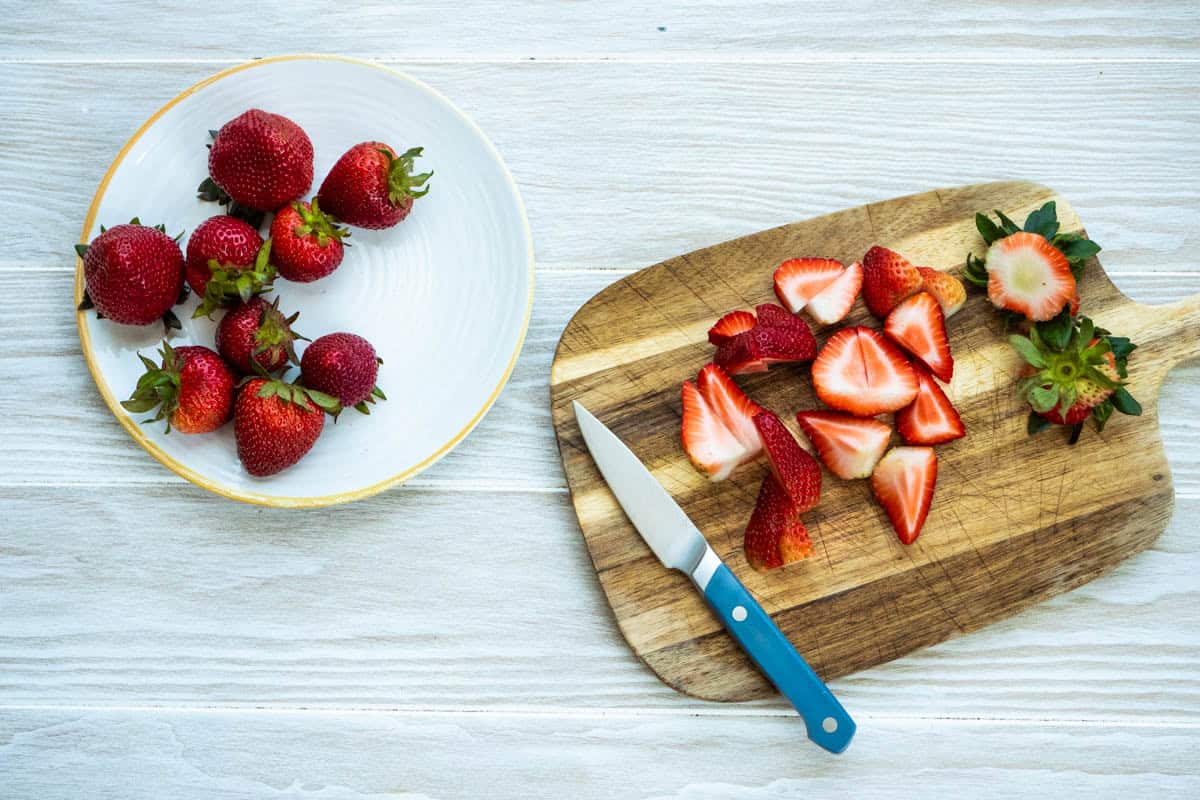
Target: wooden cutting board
{"points": [[1015, 519]]}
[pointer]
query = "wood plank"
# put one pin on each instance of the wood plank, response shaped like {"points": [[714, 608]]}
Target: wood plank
{"points": [[791, 141], [133, 755], [712, 29], [146, 595]]}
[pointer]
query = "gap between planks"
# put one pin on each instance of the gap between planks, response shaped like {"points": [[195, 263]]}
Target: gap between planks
{"points": [[646, 57]]}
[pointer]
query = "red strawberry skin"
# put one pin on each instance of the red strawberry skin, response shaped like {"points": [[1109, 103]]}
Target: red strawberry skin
{"points": [[299, 256], [227, 240], [774, 536], [342, 365], [206, 388], [133, 274], [362, 188], [273, 433], [236, 334], [797, 472], [888, 278], [262, 160]]}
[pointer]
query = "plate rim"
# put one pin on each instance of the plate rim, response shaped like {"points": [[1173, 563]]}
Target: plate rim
{"points": [[256, 498]]}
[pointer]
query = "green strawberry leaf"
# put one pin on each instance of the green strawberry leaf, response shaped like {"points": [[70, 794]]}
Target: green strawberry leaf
{"points": [[378, 392], [987, 229], [1043, 398], [975, 272], [1027, 350], [1044, 221], [85, 303], [362, 408], [1123, 401], [1036, 423], [1101, 413], [1076, 248], [81, 250], [1056, 333], [1007, 225]]}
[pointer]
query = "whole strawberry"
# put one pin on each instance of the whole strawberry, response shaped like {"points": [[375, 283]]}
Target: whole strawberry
{"points": [[226, 261], [133, 274], [192, 388], [307, 243], [345, 366], [261, 160], [255, 332], [276, 424], [371, 187]]}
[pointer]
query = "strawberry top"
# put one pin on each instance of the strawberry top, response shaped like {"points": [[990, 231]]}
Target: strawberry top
{"points": [[276, 424], [192, 389], [371, 187], [262, 160]]}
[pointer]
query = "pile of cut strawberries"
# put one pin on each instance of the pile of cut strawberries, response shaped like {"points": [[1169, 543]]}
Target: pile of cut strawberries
{"points": [[259, 164]]}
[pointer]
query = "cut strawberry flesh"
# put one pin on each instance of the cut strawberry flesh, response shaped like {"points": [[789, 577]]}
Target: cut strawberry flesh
{"points": [[833, 302], [919, 326], [797, 472], [731, 406], [774, 536], [945, 288], [931, 418], [849, 446], [730, 325], [709, 445], [798, 280], [903, 483], [1029, 275], [859, 371]]}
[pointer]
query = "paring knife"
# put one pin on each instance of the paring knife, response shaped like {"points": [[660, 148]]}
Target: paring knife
{"points": [[680, 545]]}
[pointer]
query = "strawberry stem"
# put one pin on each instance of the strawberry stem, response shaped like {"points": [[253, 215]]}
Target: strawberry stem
{"points": [[402, 184]]}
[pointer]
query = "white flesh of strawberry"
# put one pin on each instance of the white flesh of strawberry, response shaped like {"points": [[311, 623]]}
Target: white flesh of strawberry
{"points": [[834, 301], [710, 445]]}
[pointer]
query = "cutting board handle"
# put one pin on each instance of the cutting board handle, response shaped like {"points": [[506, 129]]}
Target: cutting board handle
{"points": [[1168, 335]]}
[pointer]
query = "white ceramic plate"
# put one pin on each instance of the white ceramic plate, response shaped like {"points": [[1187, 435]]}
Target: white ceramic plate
{"points": [[444, 296]]}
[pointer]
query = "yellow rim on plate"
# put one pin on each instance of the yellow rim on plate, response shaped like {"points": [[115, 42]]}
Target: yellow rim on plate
{"points": [[153, 449]]}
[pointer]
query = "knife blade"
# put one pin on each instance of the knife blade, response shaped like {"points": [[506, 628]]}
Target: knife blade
{"points": [[679, 545]]}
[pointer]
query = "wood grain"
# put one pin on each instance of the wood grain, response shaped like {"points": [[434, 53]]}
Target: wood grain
{"points": [[1014, 517]]}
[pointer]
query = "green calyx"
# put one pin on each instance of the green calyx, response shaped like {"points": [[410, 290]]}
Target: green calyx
{"points": [[230, 283], [314, 222], [209, 191], [402, 184], [364, 407], [157, 388], [297, 394], [1044, 222], [275, 330]]}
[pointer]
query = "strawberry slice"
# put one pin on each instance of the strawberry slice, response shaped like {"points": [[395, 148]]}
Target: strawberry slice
{"points": [[945, 288], [931, 419], [709, 445], [903, 483], [731, 406], [777, 337], [860, 371], [888, 278], [729, 326], [799, 280], [1029, 275], [797, 472], [775, 535], [834, 301], [850, 447], [918, 325]]}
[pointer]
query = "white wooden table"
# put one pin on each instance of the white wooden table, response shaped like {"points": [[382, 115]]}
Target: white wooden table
{"points": [[449, 639]]}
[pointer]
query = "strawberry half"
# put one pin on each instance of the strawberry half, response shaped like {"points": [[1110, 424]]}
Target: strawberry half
{"points": [[919, 326], [799, 280], [776, 337], [775, 535], [850, 447], [860, 371], [833, 302], [945, 288], [731, 405], [797, 472], [1029, 275], [931, 419], [729, 326], [903, 483], [888, 278], [709, 445]]}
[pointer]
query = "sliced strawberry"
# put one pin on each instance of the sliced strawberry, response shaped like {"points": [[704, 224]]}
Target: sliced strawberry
{"points": [[860, 371], [903, 483], [774, 536], [798, 280], [797, 472], [773, 316], [730, 325], [917, 325], [945, 288], [850, 447], [731, 406], [1029, 275], [931, 418], [736, 358], [834, 301], [709, 445], [776, 338], [888, 278]]}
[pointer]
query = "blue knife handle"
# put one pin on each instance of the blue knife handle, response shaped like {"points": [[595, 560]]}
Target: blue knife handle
{"points": [[828, 723]]}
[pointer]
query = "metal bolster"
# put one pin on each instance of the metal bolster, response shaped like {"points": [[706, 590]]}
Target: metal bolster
{"points": [[704, 570]]}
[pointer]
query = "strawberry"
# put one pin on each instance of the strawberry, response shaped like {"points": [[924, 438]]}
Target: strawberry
{"points": [[1029, 275], [261, 160], [903, 483], [254, 332], [710, 446], [192, 388], [798, 280], [888, 278], [729, 326], [850, 447], [833, 302], [931, 418], [860, 371], [775, 535], [797, 472], [133, 274], [945, 288], [371, 187], [731, 405], [307, 243], [917, 325], [226, 261], [777, 337], [345, 366], [276, 424]]}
